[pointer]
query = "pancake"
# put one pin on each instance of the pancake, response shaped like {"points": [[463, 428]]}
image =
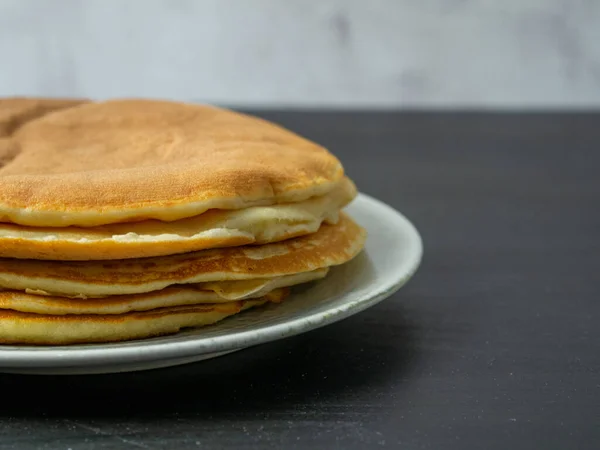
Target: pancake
{"points": [[40, 329], [17, 111], [331, 245], [130, 160], [215, 228], [41, 302]]}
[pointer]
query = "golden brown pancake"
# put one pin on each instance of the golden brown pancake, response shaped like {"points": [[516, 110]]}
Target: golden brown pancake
{"points": [[17, 111], [331, 245], [41, 302], [130, 160], [41, 329], [215, 228], [130, 218]]}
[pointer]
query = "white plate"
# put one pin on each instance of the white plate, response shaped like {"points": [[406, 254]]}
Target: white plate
{"points": [[392, 254]]}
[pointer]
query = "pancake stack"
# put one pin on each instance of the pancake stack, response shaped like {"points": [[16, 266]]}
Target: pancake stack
{"points": [[128, 219]]}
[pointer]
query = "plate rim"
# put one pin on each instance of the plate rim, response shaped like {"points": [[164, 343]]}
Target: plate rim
{"points": [[64, 357]]}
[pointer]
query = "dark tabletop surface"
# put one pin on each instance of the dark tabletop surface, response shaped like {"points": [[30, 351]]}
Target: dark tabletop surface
{"points": [[494, 344]]}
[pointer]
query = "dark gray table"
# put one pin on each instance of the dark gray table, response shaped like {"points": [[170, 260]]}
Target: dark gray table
{"points": [[494, 344]]}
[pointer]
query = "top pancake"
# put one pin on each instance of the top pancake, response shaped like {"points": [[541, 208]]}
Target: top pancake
{"points": [[99, 163], [17, 111]]}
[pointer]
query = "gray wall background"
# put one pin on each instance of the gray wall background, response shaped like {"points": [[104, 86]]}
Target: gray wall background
{"points": [[307, 53]]}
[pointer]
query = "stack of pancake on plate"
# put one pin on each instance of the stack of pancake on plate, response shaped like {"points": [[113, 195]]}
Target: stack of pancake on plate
{"points": [[126, 219]]}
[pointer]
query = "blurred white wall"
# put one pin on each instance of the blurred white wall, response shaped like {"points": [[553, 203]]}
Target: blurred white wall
{"points": [[335, 53]]}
